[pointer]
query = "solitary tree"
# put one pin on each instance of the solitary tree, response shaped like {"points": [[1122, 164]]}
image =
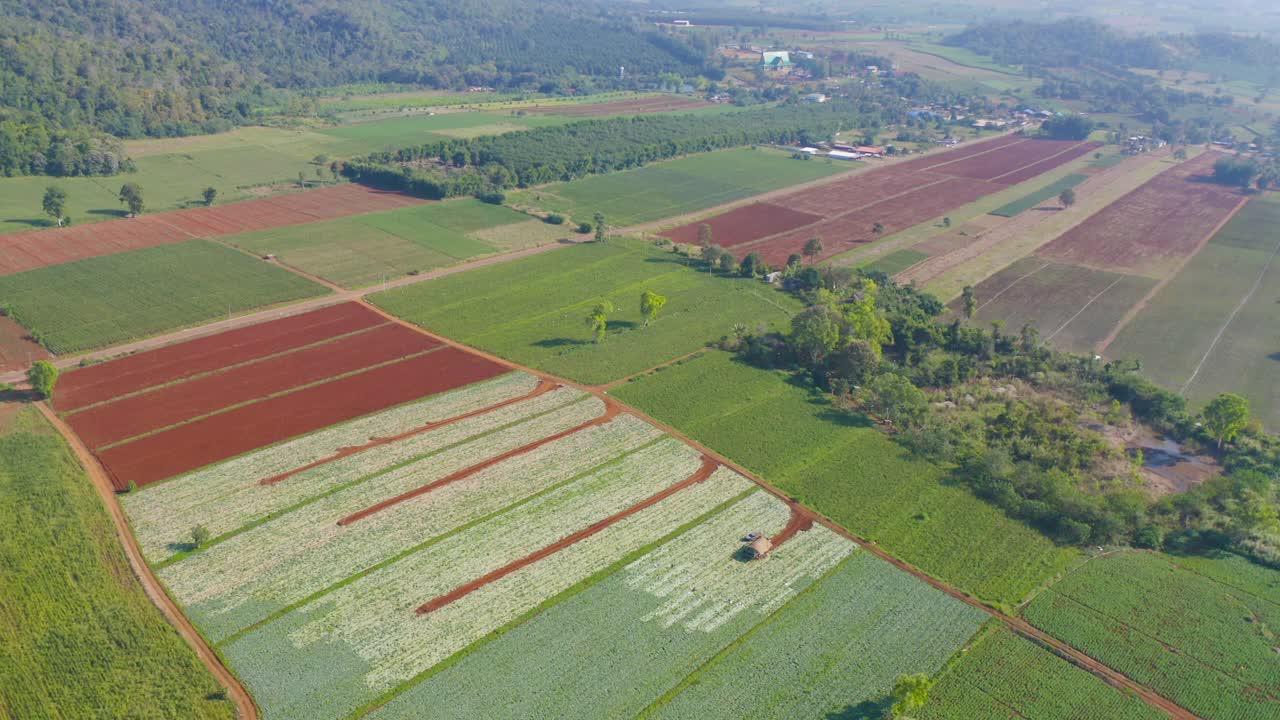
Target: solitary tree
{"points": [[946, 221], [970, 302], [812, 248], [601, 228], [727, 263], [131, 196], [209, 194], [651, 304], [1225, 416], [200, 535], [910, 693], [704, 235], [1067, 197], [43, 376], [598, 319], [55, 203], [878, 228], [712, 255], [302, 180], [1180, 154]]}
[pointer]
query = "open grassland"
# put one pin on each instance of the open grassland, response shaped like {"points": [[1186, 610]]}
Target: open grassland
{"points": [[1203, 644], [364, 249], [1002, 676], [895, 262], [80, 637], [677, 187], [1035, 199], [847, 469], [393, 133], [1071, 306], [1222, 309], [532, 311], [105, 300]]}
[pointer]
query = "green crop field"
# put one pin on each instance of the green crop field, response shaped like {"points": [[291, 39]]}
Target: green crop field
{"points": [[533, 311], [80, 637], [102, 301], [401, 132], [1216, 289], [1034, 199], [364, 249], [860, 628], [677, 187], [1205, 645], [842, 466], [1004, 676], [895, 262]]}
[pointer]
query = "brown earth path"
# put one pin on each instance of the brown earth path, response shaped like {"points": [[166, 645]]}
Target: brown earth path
{"points": [[154, 589]]}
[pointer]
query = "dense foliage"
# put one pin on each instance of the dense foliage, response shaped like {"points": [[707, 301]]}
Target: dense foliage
{"points": [[132, 68], [1019, 421], [559, 153]]}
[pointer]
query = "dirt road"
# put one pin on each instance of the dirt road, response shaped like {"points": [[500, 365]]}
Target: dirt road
{"points": [[235, 691]]}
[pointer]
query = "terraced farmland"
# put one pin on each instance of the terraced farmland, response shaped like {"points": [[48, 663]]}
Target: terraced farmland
{"points": [[531, 311], [1206, 645], [845, 468], [102, 301]]}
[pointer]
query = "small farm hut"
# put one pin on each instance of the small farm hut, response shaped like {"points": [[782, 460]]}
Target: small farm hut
{"points": [[760, 548]]}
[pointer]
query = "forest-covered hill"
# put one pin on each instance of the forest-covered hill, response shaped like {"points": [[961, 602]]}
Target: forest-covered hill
{"points": [[134, 68]]}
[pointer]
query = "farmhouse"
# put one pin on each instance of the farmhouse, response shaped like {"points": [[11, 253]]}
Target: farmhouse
{"points": [[760, 548], [775, 59], [875, 150]]}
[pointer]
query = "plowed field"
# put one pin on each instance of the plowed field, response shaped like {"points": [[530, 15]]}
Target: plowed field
{"points": [[661, 103], [39, 248], [745, 224]]}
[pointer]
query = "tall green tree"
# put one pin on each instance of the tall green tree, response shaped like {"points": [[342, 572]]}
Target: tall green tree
{"points": [[210, 194], [651, 303], [601, 227], [815, 333], [705, 238], [812, 248], [1067, 197], [43, 376], [1225, 416], [878, 228], [910, 693], [598, 319], [131, 196], [970, 301], [55, 203]]}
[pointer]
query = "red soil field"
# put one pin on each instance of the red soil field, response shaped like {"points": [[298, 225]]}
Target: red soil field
{"points": [[96, 383], [744, 224], [1008, 159], [39, 248], [17, 349], [226, 435], [959, 153], [1048, 164], [859, 191], [1160, 222], [137, 414], [637, 106], [848, 231]]}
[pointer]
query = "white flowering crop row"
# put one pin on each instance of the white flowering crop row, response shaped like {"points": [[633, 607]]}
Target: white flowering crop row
{"points": [[704, 582], [289, 662], [243, 580], [162, 522]]}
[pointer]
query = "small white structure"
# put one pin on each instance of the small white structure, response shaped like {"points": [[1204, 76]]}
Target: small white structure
{"points": [[809, 150], [842, 155]]}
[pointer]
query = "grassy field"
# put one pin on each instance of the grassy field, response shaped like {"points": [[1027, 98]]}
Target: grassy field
{"points": [[80, 637], [1036, 198], [844, 467], [895, 262], [678, 187], [1205, 645], [1196, 305], [533, 310], [364, 249], [1004, 676], [102, 301]]}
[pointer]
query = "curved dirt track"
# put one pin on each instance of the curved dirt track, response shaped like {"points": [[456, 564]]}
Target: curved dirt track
{"points": [[235, 691]]}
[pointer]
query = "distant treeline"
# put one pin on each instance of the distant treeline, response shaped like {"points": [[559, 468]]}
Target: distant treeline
{"points": [[589, 147]]}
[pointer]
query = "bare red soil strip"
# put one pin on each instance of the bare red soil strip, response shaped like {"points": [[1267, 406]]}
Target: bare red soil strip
{"points": [[622, 107], [744, 224], [135, 415], [800, 521], [38, 248], [104, 381], [709, 466], [17, 349], [1158, 224], [543, 388], [155, 591], [218, 437], [611, 411], [896, 197]]}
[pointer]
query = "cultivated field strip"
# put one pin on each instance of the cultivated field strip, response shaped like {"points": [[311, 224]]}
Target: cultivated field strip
{"points": [[258, 572], [364, 640], [628, 647], [213, 353], [230, 495]]}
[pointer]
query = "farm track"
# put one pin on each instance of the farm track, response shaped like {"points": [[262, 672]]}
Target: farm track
{"points": [[245, 706]]}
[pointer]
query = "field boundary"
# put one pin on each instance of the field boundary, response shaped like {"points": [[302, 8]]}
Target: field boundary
{"points": [[155, 590]]}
